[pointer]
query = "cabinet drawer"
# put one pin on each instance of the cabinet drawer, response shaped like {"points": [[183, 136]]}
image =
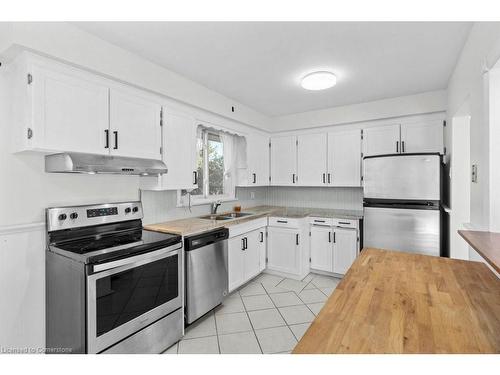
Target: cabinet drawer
{"points": [[321, 221], [237, 229], [346, 223], [284, 222]]}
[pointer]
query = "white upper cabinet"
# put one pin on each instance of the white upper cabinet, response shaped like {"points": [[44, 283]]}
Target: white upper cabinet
{"points": [[135, 129], [344, 158], [422, 137], [257, 160], [312, 159], [321, 248], [70, 111], [284, 160], [179, 153], [345, 249], [381, 140]]}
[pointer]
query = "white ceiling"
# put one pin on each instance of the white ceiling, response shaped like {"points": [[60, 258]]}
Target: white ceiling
{"points": [[260, 64]]}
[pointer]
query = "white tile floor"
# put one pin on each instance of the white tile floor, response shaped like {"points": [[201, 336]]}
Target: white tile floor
{"points": [[267, 315]]}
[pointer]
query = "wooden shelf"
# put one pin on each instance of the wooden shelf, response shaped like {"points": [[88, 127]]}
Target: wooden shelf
{"points": [[487, 244]]}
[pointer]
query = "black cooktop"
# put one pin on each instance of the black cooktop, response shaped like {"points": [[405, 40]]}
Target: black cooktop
{"points": [[115, 243]]}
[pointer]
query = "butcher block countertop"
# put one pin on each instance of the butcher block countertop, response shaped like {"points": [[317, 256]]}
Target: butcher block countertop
{"points": [[394, 302], [487, 244], [195, 225]]}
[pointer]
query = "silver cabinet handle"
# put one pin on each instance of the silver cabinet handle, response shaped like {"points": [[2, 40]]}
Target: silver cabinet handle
{"points": [[329, 236], [397, 147], [329, 178], [297, 239], [402, 146]]}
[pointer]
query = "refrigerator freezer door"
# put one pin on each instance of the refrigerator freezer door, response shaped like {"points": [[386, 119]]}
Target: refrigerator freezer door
{"points": [[403, 177], [413, 231]]}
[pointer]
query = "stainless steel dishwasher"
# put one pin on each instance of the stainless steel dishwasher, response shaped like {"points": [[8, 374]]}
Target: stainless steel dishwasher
{"points": [[206, 272]]}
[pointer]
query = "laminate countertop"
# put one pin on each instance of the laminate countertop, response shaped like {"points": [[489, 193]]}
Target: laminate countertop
{"points": [[195, 225], [487, 244], [394, 302]]}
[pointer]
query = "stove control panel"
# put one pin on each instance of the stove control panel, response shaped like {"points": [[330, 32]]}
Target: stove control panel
{"points": [[96, 212], [81, 216]]}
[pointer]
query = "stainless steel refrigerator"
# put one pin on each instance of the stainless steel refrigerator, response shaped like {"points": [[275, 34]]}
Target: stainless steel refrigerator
{"points": [[402, 203]]}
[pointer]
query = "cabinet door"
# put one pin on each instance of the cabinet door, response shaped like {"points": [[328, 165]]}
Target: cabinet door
{"points": [[344, 158], [135, 129], [179, 150], [381, 140], [262, 248], [345, 249], [236, 262], [311, 159], [422, 137], [283, 251], [70, 112], [252, 254], [321, 248], [284, 160], [258, 160]]}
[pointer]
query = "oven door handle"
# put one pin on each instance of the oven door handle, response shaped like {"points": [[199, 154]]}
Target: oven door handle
{"points": [[142, 258]]}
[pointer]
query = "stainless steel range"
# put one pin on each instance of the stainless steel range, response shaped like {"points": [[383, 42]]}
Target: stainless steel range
{"points": [[111, 286]]}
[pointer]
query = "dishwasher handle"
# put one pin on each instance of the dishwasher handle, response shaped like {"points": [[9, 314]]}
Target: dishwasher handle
{"points": [[206, 238]]}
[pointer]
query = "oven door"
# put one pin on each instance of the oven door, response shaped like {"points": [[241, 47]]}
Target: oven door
{"points": [[127, 295]]}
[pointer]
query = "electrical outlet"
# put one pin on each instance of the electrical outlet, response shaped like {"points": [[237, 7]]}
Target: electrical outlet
{"points": [[252, 195], [474, 173]]}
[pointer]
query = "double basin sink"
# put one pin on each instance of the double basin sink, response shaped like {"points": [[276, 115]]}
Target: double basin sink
{"points": [[227, 216]]}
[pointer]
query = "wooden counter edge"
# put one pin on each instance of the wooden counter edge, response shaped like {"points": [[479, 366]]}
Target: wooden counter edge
{"points": [[482, 249]]}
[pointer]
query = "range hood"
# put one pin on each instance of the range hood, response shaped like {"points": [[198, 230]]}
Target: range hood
{"points": [[74, 162]]}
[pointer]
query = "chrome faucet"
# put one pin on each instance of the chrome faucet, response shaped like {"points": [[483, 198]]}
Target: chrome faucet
{"points": [[214, 206]]}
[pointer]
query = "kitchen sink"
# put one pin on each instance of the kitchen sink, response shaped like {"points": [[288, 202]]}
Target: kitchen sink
{"points": [[226, 216], [215, 217], [234, 215]]}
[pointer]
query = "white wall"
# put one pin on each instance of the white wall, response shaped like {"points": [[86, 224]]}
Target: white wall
{"points": [[468, 81], [494, 146], [428, 102]]}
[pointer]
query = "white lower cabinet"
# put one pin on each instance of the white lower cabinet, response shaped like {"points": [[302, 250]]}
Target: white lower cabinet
{"points": [[333, 249], [283, 250], [244, 257], [345, 249], [287, 248], [321, 248]]}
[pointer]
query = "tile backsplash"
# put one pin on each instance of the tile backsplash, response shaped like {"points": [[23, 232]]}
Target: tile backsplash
{"points": [[162, 205], [317, 197]]}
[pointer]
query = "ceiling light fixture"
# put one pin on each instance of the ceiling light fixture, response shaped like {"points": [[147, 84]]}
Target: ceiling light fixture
{"points": [[319, 81]]}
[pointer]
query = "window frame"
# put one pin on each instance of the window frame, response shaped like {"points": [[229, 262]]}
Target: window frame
{"points": [[205, 197]]}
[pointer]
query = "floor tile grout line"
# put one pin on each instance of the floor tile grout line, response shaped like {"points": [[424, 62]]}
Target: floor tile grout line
{"points": [[282, 317], [251, 325], [216, 332]]}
